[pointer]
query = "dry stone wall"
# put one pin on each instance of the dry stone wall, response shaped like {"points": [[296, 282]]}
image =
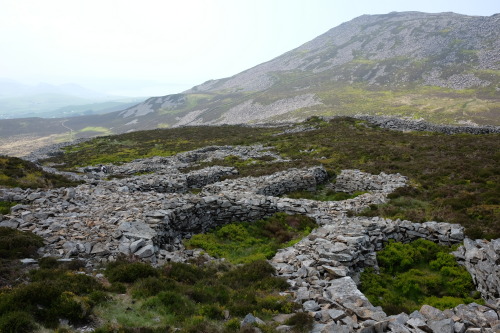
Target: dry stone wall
{"points": [[355, 180], [274, 185], [414, 125]]}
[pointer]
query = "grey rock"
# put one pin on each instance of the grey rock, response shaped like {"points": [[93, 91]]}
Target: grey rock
{"points": [[100, 249], [336, 314], [311, 306], [137, 230], [134, 246], [284, 328], [145, 252], [251, 320], [431, 313], [444, 326], [28, 261], [9, 224], [459, 327]]}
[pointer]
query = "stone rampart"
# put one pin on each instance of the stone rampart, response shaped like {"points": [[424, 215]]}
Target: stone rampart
{"points": [[173, 181], [354, 180], [273, 185], [399, 124]]}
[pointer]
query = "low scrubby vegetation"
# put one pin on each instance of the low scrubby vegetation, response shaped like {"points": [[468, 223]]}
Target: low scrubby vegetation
{"points": [[454, 178], [246, 242], [415, 274], [191, 296]]}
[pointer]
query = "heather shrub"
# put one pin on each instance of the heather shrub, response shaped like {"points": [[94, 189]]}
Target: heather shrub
{"points": [[15, 244], [17, 322], [121, 271]]}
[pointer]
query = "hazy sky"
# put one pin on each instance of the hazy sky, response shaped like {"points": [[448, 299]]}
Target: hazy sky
{"points": [[157, 47]]}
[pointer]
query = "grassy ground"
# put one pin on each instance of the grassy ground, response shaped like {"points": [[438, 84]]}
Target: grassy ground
{"points": [[454, 178]]}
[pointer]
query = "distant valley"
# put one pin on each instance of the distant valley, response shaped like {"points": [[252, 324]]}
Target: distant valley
{"points": [[44, 100]]}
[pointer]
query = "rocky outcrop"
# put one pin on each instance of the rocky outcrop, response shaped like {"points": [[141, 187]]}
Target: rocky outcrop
{"points": [[173, 181], [101, 219]]}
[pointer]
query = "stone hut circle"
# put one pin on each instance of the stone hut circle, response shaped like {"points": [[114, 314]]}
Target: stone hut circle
{"points": [[148, 215]]}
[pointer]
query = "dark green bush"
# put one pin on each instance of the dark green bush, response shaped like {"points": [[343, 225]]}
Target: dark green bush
{"points": [[184, 273], [48, 262], [17, 322], [212, 311], [172, 303], [127, 272], [51, 295], [151, 286], [15, 244], [301, 322], [248, 274], [203, 326], [210, 292]]}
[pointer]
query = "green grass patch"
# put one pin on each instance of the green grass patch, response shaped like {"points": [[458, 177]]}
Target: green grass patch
{"points": [[5, 206], [249, 241], [98, 129], [415, 274]]}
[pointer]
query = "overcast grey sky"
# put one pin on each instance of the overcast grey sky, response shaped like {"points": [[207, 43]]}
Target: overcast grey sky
{"points": [[158, 47]]}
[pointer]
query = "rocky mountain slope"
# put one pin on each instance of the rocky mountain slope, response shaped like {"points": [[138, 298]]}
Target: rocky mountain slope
{"points": [[444, 68]]}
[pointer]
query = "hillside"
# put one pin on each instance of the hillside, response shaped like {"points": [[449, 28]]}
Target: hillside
{"points": [[361, 187], [443, 68]]}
